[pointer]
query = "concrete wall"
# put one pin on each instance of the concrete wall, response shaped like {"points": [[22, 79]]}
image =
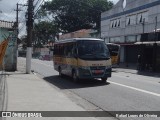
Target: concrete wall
{"points": [[152, 7], [124, 25]]}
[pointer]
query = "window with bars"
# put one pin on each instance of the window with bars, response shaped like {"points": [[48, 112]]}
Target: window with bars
{"points": [[115, 23], [131, 20], [142, 17]]}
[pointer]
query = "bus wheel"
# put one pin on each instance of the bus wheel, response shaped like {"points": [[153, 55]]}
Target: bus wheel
{"points": [[74, 76], [104, 80]]}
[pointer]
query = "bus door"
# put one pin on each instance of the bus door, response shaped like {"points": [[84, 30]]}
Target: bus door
{"points": [[74, 58], [69, 55]]}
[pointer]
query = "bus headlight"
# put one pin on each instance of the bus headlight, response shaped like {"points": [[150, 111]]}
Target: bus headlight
{"points": [[108, 67]]}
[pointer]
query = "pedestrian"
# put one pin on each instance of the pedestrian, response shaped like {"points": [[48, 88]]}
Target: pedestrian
{"points": [[139, 62]]}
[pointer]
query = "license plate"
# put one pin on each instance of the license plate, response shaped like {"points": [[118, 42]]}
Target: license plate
{"points": [[98, 71]]}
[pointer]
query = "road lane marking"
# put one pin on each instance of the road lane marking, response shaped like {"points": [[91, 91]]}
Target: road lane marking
{"points": [[137, 89]]}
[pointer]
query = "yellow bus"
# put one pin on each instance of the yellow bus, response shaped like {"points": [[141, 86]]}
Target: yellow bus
{"points": [[82, 58], [114, 50]]}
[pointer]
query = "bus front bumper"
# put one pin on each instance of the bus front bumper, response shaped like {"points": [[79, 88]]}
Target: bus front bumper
{"points": [[89, 74]]}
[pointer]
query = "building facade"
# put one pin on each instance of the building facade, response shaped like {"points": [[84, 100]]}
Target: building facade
{"points": [[7, 31], [127, 23]]}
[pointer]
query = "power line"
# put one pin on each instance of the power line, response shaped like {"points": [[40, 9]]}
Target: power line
{"points": [[36, 11], [22, 27], [36, 3], [22, 16], [39, 9]]}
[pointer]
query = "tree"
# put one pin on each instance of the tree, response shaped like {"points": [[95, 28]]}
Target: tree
{"points": [[23, 41], [44, 32], [73, 15]]}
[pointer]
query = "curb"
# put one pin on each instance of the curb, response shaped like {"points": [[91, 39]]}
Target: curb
{"points": [[5, 96], [4, 92]]}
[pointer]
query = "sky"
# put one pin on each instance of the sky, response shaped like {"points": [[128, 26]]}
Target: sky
{"points": [[8, 14]]}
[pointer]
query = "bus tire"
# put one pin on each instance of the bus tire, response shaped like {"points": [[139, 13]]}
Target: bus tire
{"points": [[104, 80], [75, 77]]}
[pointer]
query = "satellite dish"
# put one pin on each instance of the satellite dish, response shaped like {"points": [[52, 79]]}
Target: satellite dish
{"points": [[124, 3]]}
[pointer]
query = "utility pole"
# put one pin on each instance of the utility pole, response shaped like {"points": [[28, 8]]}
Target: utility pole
{"points": [[17, 21], [29, 36], [17, 32]]}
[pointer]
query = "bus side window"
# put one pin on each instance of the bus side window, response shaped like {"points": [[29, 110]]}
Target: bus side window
{"points": [[70, 50], [55, 50], [61, 49], [65, 50], [74, 51], [58, 49]]}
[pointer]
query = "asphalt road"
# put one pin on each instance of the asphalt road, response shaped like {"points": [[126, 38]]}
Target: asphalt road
{"points": [[123, 92]]}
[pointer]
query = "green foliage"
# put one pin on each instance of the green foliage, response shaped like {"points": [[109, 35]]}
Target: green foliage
{"points": [[44, 32], [73, 15], [23, 40]]}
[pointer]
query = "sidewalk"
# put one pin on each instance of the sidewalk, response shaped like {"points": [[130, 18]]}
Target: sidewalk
{"points": [[27, 92], [132, 68]]}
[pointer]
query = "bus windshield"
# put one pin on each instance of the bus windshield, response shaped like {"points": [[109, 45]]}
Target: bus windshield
{"points": [[93, 50]]}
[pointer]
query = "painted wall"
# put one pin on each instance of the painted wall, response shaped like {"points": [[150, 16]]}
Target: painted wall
{"points": [[10, 60]]}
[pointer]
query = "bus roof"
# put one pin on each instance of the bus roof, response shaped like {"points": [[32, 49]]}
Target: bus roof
{"points": [[77, 39]]}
